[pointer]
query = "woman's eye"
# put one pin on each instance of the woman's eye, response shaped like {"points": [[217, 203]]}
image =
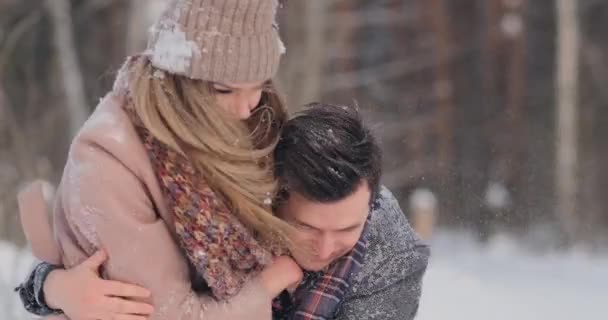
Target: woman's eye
{"points": [[222, 91]]}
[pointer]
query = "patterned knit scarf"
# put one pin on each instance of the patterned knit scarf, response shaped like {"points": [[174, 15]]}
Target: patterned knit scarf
{"points": [[223, 251]]}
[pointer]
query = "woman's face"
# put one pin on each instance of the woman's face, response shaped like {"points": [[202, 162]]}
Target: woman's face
{"points": [[239, 99]]}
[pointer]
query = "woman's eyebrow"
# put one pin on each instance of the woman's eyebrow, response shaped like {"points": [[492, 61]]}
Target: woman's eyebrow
{"points": [[223, 85]]}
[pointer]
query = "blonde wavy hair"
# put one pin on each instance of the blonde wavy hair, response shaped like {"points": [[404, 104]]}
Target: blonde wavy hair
{"points": [[235, 157]]}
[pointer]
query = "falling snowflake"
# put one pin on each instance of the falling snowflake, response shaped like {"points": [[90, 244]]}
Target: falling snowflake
{"points": [[512, 25]]}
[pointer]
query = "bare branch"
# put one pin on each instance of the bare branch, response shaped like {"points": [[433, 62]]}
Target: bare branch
{"points": [[22, 155], [92, 6], [16, 33], [65, 49]]}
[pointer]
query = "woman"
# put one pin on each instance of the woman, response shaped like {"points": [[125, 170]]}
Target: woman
{"points": [[176, 161]]}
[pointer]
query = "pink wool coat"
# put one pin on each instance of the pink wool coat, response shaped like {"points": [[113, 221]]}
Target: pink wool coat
{"points": [[109, 198]]}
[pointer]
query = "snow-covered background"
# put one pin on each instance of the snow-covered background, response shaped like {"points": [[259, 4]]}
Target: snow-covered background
{"points": [[505, 279], [502, 279], [14, 266]]}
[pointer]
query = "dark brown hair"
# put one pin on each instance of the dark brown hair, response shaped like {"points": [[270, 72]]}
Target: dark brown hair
{"points": [[325, 152]]}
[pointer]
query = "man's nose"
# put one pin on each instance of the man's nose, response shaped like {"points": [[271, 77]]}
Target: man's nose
{"points": [[325, 248]]}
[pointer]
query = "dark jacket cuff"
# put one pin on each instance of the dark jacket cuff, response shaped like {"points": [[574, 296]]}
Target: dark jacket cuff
{"points": [[31, 291]]}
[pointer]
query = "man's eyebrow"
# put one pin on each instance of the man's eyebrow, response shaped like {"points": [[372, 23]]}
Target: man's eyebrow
{"points": [[349, 228], [304, 224]]}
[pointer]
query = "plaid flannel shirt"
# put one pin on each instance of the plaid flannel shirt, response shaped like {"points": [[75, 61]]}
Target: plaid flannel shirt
{"points": [[320, 295]]}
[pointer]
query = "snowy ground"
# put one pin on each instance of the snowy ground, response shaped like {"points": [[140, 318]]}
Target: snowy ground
{"points": [[503, 281], [464, 281], [14, 266]]}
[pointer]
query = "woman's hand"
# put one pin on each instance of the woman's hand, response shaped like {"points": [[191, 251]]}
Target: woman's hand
{"points": [[284, 273], [83, 295]]}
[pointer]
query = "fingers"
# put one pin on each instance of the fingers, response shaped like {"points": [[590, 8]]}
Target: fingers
{"points": [[290, 269], [96, 260], [119, 306], [123, 290], [283, 273]]}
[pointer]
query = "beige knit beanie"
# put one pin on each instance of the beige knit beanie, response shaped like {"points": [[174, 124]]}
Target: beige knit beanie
{"points": [[233, 41]]}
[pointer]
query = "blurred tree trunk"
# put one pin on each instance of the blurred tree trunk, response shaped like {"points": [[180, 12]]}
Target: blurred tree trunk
{"points": [[514, 29], [539, 172], [491, 45], [491, 49], [22, 156], [443, 86], [23, 159], [315, 50], [593, 103], [67, 56], [305, 28], [443, 94], [567, 148], [142, 14], [471, 158]]}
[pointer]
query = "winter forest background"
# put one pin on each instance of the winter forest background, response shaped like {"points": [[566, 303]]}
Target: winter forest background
{"points": [[493, 115]]}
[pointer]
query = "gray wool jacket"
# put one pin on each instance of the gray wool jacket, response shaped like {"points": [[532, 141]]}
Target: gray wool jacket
{"points": [[390, 283]]}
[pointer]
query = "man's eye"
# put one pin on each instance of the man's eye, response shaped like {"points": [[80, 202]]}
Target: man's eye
{"points": [[303, 227]]}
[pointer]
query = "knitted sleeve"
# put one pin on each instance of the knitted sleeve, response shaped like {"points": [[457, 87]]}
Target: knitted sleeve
{"points": [[31, 290]]}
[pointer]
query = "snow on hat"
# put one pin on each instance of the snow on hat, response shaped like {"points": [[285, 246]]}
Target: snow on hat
{"points": [[217, 40]]}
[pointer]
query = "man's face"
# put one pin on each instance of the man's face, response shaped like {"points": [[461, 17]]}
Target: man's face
{"points": [[327, 230]]}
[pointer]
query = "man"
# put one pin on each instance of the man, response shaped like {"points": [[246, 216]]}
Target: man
{"points": [[329, 166]]}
